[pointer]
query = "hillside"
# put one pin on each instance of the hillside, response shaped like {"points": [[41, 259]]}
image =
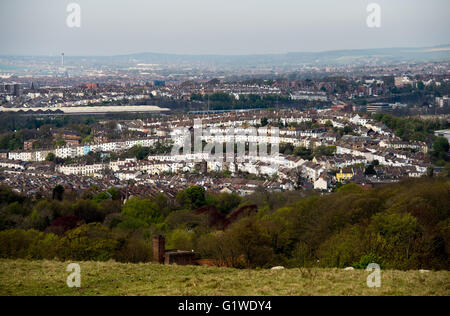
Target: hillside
{"points": [[401, 226], [21, 277]]}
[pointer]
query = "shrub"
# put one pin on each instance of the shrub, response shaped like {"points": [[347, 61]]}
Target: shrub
{"points": [[63, 224], [192, 198], [135, 251], [366, 260], [30, 244], [180, 239], [140, 214], [88, 242], [88, 211]]}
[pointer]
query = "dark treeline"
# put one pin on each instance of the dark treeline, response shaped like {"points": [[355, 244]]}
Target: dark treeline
{"points": [[16, 128], [225, 101], [10, 122], [410, 129], [400, 226]]}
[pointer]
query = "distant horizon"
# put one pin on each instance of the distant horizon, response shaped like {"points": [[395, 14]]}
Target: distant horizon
{"points": [[233, 55]]}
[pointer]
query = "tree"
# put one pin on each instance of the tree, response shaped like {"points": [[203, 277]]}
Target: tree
{"points": [[63, 224], [430, 172], [440, 151], [50, 157], [370, 170], [324, 151], [102, 196], [180, 239], [88, 139], [162, 203], [303, 152], [139, 213], [192, 198], [252, 241], [140, 152], [441, 145], [348, 130], [88, 211], [115, 193], [60, 143], [88, 242], [44, 213], [58, 193]]}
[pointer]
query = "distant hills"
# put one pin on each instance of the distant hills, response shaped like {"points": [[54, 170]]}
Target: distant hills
{"points": [[362, 56], [288, 60]]}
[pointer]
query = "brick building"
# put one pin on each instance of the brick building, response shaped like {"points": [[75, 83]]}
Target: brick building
{"points": [[170, 257]]}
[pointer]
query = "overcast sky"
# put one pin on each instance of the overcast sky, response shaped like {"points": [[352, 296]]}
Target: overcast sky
{"points": [[111, 27]]}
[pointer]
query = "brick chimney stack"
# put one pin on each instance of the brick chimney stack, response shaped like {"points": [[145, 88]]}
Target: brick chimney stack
{"points": [[159, 249]]}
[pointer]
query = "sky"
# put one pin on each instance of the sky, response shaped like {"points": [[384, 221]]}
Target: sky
{"points": [[226, 27]]}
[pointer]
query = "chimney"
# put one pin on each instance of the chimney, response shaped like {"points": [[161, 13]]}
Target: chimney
{"points": [[159, 249]]}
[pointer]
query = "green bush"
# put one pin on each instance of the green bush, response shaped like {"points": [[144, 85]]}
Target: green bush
{"points": [[135, 251], [88, 242], [139, 213], [180, 239], [30, 244], [366, 260]]}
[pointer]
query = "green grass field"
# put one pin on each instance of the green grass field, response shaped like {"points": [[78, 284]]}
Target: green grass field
{"points": [[21, 277]]}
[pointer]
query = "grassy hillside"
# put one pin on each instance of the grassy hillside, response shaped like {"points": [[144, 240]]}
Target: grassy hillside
{"points": [[21, 277]]}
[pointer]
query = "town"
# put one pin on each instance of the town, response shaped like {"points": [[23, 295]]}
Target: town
{"points": [[318, 149]]}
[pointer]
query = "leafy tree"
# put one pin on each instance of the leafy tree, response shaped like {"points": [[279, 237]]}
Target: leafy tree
{"points": [[139, 213], [286, 149], [440, 150], [44, 213], [8, 196], [50, 157], [264, 121], [88, 242], [162, 203], [192, 198], [63, 224], [324, 151], [88, 139], [88, 211], [226, 202], [185, 219], [140, 152], [370, 170], [60, 143], [58, 193], [30, 244], [102, 196], [134, 250], [303, 152], [115, 193], [180, 239], [252, 242], [441, 145]]}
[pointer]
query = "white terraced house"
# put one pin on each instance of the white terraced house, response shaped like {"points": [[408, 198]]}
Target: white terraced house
{"points": [[23, 156], [83, 170]]}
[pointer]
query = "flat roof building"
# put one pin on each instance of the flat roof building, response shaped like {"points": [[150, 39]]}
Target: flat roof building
{"points": [[443, 133]]}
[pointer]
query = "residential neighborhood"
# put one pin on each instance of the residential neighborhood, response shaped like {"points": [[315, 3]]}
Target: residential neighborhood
{"points": [[367, 143]]}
